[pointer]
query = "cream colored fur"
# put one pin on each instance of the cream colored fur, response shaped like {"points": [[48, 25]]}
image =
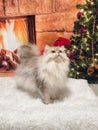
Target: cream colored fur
{"points": [[45, 75]]}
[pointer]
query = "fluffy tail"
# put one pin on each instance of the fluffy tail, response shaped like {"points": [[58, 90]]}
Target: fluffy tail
{"points": [[27, 51]]}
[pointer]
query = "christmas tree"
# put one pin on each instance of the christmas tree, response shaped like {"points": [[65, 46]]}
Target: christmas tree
{"points": [[84, 43]]}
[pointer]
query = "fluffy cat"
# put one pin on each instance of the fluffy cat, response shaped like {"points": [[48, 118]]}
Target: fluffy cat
{"points": [[43, 75]]}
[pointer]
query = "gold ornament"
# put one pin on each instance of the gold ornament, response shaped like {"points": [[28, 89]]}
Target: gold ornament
{"points": [[81, 57], [74, 47], [82, 10], [93, 64], [92, 3], [72, 69], [83, 65], [90, 12], [87, 49], [96, 66], [95, 60], [78, 73], [96, 54]]}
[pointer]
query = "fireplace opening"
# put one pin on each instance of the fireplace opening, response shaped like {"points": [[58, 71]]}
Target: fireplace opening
{"points": [[13, 33], [17, 31]]}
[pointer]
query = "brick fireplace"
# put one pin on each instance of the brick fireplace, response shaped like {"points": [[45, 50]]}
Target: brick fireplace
{"points": [[15, 31], [53, 18]]}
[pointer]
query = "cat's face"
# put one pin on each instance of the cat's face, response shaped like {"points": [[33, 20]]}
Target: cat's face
{"points": [[57, 54]]}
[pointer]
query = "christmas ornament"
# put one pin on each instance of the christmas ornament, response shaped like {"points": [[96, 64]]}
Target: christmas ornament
{"points": [[16, 51], [80, 14], [90, 70], [85, 42], [8, 59], [97, 27], [96, 66], [5, 64], [15, 58], [82, 30], [81, 57], [3, 52], [71, 55]]}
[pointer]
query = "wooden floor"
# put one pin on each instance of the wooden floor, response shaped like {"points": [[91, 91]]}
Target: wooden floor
{"points": [[4, 73]]}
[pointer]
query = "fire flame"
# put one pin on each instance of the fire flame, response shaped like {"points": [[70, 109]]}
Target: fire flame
{"points": [[13, 33]]}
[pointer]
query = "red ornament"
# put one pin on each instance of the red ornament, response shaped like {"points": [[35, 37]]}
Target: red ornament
{"points": [[79, 15], [62, 42], [8, 67], [16, 51], [5, 64], [15, 58], [41, 52], [3, 52], [71, 55], [82, 30], [6, 58]]}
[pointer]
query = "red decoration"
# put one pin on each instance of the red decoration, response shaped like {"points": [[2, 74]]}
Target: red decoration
{"points": [[15, 58], [90, 70], [79, 15], [6, 65], [15, 51], [8, 59], [62, 42], [41, 52], [3, 52], [82, 30], [71, 55]]}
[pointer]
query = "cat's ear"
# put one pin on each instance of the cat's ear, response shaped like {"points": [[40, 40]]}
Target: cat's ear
{"points": [[47, 47], [63, 47]]}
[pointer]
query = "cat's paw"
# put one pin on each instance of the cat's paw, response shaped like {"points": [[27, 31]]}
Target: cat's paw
{"points": [[48, 101]]}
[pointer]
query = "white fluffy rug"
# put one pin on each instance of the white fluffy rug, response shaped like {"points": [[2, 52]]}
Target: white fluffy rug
{"points": [[19, 111]]}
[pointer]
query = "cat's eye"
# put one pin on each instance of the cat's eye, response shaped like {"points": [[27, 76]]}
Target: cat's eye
{"points": [[52, 51], [60, 51]]}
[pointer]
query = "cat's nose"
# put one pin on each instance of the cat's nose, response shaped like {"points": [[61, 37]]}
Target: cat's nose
{"points": [[59, 52]]}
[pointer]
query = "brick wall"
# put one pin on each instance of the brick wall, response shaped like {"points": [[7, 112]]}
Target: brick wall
{"points": [[54, 18], [57, 23]]}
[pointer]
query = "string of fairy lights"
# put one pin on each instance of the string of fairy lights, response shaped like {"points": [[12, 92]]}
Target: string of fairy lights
{"points": [[85, 44]]}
